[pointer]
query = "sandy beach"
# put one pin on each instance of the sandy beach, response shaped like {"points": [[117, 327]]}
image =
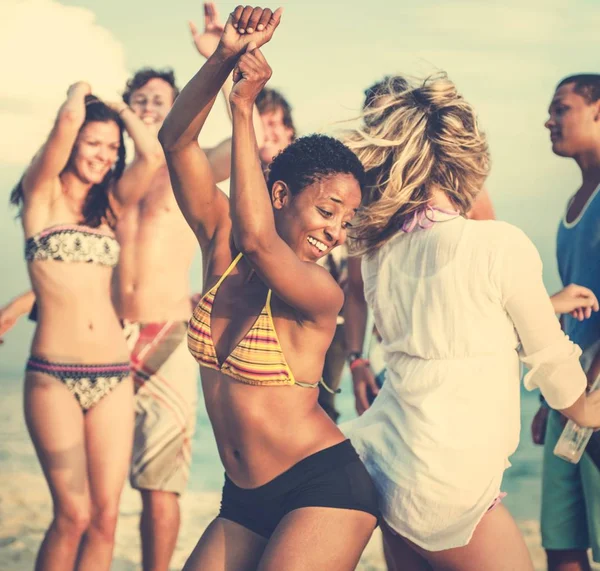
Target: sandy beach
{"points": [[26, 508], [25, 511]]}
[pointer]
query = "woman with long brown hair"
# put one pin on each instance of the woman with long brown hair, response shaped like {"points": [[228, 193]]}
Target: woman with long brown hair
{"points": [[78, 391]]}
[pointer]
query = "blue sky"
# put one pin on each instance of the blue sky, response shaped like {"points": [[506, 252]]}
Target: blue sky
{"points": [[505, 58]]}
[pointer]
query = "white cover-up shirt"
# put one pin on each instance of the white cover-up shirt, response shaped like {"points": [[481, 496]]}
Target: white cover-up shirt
{"points": [[456, 306]]}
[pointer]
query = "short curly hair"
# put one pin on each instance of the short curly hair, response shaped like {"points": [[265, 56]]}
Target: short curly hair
{"points": [[144, 75], [312, 158]]}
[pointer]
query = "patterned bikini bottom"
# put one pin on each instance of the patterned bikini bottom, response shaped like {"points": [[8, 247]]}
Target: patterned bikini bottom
{"points": [[88, 383]]}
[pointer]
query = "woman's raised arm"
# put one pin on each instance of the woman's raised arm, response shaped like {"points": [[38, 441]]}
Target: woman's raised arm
{"points": [[52, 158], [149, 157], [204, 206], [254, 231]]}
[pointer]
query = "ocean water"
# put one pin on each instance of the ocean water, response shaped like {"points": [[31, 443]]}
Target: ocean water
{"points": [[521, 481]]}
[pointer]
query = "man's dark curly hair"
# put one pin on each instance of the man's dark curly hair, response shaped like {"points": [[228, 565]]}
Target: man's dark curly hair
{"points": [[144, 75], [312, 158]]}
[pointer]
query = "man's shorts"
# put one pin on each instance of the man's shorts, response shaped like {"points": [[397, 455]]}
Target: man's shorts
{"points": [[570, 498], [166, 394]]}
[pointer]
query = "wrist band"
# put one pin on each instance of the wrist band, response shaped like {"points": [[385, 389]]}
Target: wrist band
{"points": [[124, 109], [352, 356], [360, 362]]}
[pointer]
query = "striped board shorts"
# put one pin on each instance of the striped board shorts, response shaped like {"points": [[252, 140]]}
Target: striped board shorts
{"points": [[166, 393]]}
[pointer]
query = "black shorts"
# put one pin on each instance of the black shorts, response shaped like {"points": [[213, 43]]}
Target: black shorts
{"points": [[331, 478]]}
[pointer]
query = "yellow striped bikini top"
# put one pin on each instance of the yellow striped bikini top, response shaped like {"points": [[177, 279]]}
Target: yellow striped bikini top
{"points": [[257, 359]]}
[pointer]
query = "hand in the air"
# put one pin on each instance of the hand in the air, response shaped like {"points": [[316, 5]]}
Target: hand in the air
{"points": [[207, 42], [246, 25], [80, 86], [249, 76]]}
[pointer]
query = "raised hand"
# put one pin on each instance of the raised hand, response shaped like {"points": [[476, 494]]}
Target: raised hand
{"points": [[249, 76], [81, 86], [207, 42], [246, 25]]}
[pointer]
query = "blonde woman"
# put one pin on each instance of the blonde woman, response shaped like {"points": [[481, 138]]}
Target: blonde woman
{"points": [[453, 300]]}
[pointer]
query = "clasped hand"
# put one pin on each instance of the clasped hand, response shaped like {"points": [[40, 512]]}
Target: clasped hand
{"points": [[246, 30]]}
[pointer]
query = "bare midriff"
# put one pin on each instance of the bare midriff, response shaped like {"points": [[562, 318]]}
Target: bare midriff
{"points": [[151, 282], [76, 320], [263, 431]]}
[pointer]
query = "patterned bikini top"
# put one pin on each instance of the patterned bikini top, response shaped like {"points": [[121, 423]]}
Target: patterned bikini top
{"points": [[73, 243], [256, 360]]}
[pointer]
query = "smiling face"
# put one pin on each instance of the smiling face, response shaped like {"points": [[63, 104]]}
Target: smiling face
{"points": [[574, 122], [96, 151], [317, 219], [152, 102]]}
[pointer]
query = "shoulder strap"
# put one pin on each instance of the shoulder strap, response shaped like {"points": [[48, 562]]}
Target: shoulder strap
{"points": [[228, 270], [270, 314]]}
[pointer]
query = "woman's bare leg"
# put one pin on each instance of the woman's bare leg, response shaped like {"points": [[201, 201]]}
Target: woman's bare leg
{"points": [[56, 426], [109, 439], [399, 555], [318, 538], [226, 546], [496, 545]]}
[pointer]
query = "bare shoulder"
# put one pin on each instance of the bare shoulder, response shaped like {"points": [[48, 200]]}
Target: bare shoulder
{"points": [[327, 285], [326, 322], [40, 206], [44, 190]]}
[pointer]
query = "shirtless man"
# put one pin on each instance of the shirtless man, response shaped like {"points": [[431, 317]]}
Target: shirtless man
{"points": [[151, 293]]}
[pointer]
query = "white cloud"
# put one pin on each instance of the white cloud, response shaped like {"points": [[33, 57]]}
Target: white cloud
{"points": [[47, 46]]}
